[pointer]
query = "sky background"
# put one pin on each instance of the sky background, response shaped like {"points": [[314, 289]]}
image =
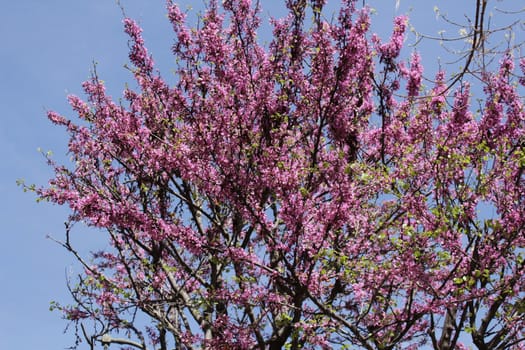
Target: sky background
{"points": [[47, 49]]}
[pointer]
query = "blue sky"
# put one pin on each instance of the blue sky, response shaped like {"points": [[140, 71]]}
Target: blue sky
{"points": [[47, 49]]}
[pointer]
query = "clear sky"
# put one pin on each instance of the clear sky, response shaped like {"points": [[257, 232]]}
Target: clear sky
{"points": [[46, 50]]}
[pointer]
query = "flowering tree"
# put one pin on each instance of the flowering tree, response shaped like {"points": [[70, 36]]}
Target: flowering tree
{"points": [[309, 193]]}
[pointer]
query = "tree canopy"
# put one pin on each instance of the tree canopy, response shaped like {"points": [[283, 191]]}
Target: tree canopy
{"points": [[307, 193]]}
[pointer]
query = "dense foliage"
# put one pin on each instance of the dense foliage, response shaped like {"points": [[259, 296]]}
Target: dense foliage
{"points": [[306, 193]]}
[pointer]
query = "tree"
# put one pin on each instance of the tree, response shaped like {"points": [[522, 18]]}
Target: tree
{"points": [[310, 193]]}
